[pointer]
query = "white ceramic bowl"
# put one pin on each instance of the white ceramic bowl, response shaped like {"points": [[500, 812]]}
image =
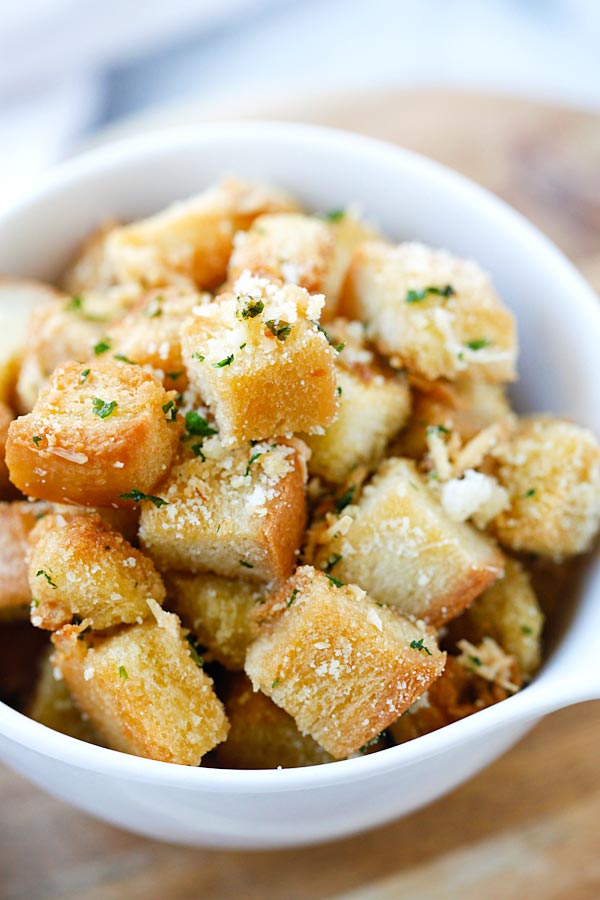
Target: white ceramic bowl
{"points": [[559, 324]]}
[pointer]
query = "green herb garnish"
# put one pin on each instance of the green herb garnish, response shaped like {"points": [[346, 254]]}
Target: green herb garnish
{"points": [[418, 296], [103, 408], [334, 581], [475, 660], [250, 308], [530, 493], [173, 375], [197, 451], [139, 497], [123, 673], [279, 329], [333, 215], [75, 304], [47, 577], [478, 343], [125, 359], [526, 629], [419, 645], [36, 440], [194, 651], [102, 346], [293, 596], [245, 564], [197, 425], [198, 356], [332, 561], [346, 499], [339, 347], [275, 683], [84, 375], [223, 362], [252, 459], [170, 409]]}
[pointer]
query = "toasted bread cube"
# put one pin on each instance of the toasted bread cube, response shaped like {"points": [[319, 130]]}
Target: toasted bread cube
{"points": [[343, 666], [98, 431], [78, 566], [432, 312], [373, 405], [149, 334], [263, 736], [142, 690], [237, 512], [216, 610], [16, 522], [508, 611], [551, 470], [89, 270], [462, 407], [6, 418], [405, 551], [190, 242], [261, 362], [53, 706], [125, 521]]}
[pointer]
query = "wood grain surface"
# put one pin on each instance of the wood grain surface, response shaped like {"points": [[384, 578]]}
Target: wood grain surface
{"points": [[525, 827]]}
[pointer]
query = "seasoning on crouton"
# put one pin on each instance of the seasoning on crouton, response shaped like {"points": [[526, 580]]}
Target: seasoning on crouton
{"points": [[262, 736], [149, 334], [508, 611], [216, 610], [551, 470], [343, 666], [101, 433], [373, 405], [53, 706], [236, 512], [432, 312], [261, 362], [79, 567], [16, 522], [190, 242], [142, 689], [402, 548], [6, 418]]}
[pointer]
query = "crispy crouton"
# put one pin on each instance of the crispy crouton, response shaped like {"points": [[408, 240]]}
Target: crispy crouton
{"points": [[79, 567], [405, 551], [508, 612], [53, 706], [89, 270], [373, 405], [551, 470], [6, 418], [150, 334], [432, 312], [190, 242], [16, 521], [142, 690], [216, 610], [262, 736], [261, 362], [343, 666], [98, 431], [236, 512]]}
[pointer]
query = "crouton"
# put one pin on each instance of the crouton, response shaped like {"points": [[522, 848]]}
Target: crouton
{"points": [[262, 736], [53, 706], [373, 405], [190, 242], [149, 334], [142, 690], [508, 611], [462, 407], [16, 522], [236, 512], [551, 470], [430, 311], [79, 567], [100, 434], [404, 550], [60, 330], [343, 666], [125, 521], [216, 610], [261, 362], [6, 418]]}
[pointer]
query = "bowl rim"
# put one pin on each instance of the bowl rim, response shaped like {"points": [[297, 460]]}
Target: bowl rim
{"points": [[536, 699]]}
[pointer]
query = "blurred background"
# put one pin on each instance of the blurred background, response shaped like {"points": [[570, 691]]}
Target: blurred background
{"points": [[70, 69]]}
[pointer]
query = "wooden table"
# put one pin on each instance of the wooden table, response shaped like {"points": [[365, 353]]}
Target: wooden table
{"points": [[525, 827]]}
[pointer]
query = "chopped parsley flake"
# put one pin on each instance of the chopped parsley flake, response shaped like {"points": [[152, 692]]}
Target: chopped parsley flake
{"points": [[420, 646], [47, 577], [275, 683], [437, 429], [84, 375], [527, 494], [198, 356], [252, 459], [339, 390], [102, 346], [249, 308], [197, 425], [334, 581], [173, 375], [339, 347], [418, 296], [125, 359], [75, 304], [478, 343], [332, 561], [103, 408], [197, 451], [36, 440], [223, 362], [293, 596], [526, 629], [195, 650], [34, 603], [245, 564], [154, 309], [334, 215], [170, 409], [279, 329], [475, 660], [139, 496], [346, 499], [123, 673]]}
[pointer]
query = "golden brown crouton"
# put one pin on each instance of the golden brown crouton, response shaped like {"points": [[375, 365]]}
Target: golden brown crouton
{"points": [[551, 470], [142, 690], [16, 522], [150, 334], [260, 361], [236, 512], [100, 432], [190, 242], [79, 567], [373, 405], [508, 612], [52, 705], [343, 666], [432, 312], [262, 736], [6, 418], [402, 548], [216, 610]]}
